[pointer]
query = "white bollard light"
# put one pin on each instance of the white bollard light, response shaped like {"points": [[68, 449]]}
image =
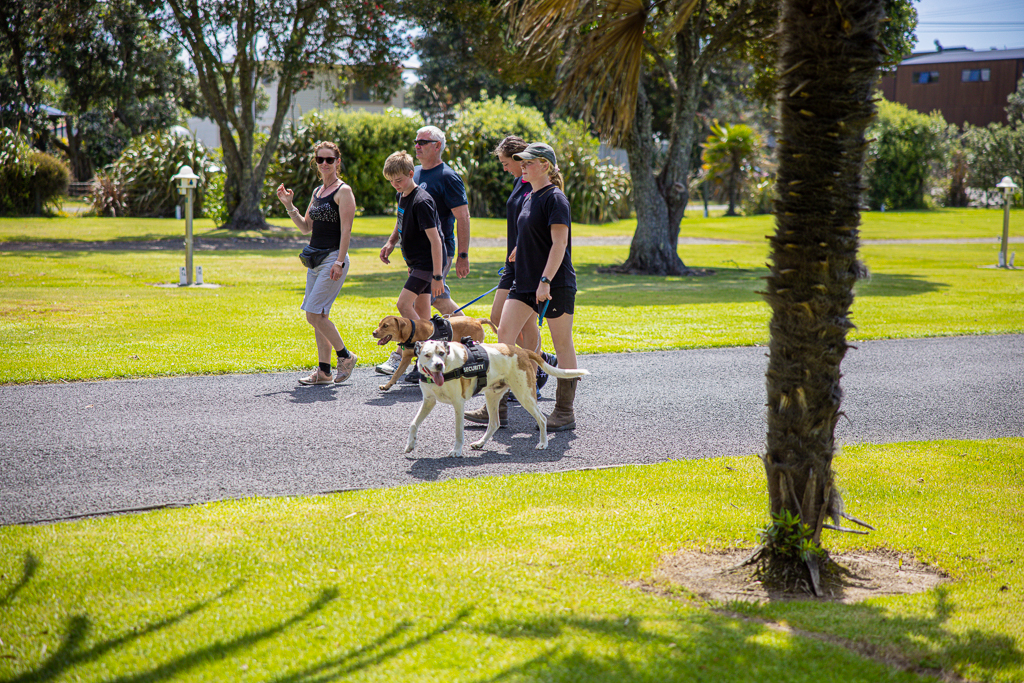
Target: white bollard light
{"points": [[182, 278], [199, 275]]}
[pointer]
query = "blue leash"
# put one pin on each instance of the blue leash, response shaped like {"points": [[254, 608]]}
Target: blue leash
{"points": [[457, 310], [540, 320]]}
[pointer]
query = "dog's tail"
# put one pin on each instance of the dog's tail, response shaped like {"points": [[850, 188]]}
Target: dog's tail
{"points": [[487, 321], [552, 370]]}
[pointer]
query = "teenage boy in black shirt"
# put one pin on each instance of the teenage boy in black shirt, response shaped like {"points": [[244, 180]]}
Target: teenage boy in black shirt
{"points": [[417, 228]]}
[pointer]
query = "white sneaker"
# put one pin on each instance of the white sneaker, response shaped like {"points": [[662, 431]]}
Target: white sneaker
{"points": [[389, 366]]}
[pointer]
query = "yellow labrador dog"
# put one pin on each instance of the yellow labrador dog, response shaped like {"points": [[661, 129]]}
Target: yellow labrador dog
{"points": [[458, 372], [406, 332]]}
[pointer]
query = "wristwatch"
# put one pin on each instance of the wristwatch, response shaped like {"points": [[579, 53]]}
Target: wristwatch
{"points": [[439, 277], [463, 254], [545, 280]]}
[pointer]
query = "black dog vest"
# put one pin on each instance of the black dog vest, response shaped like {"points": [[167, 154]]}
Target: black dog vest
{"points": [[442, 332], [476, 366]]}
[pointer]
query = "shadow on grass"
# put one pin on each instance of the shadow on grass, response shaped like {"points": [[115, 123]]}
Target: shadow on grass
{"points": [[703, 646], [887, 284], [71, 653], [376, 652]]}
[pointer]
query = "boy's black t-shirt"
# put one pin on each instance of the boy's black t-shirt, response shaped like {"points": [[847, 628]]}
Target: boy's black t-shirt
{"points": [[416, 215], [533, 244]]}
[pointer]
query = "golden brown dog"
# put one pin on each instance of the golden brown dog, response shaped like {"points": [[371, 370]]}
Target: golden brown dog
{"points": [[408, 332]]}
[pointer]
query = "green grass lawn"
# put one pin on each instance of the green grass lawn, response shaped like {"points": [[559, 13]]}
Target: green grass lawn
{"points": [[521, 578], [80, 314]]}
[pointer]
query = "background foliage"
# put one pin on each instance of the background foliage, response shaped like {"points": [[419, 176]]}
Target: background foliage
{"points": [[139, 183], [905, 145], [30, 180]]}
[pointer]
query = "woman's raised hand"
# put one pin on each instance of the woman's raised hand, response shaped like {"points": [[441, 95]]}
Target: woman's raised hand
{"points": [[285, 195]]}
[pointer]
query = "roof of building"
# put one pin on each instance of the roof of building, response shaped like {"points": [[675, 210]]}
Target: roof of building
{"points": [[954, 56]]}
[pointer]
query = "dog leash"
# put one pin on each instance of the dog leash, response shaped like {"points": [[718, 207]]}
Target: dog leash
{"points": [[543, 310], [500, 271]]}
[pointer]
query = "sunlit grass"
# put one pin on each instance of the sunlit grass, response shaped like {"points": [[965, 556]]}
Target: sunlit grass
{"points": [[521, 578], [104, 306]]}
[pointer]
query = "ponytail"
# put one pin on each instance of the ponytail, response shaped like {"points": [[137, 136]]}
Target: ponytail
{"points": [[555, 175]]}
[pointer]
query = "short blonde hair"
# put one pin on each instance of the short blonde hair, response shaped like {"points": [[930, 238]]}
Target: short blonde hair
{"points": [[398, 164]]}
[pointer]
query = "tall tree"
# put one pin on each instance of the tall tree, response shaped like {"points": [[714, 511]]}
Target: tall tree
{"points": [[829, 60], [99, 62], [465, 53], [613, 54], [236, 44]]}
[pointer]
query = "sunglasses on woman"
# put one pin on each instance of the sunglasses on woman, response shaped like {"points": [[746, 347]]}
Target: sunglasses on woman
{"points": [[325, 160]]}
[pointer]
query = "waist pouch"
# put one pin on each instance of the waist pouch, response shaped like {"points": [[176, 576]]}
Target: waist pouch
{"points": [[312, 257]]}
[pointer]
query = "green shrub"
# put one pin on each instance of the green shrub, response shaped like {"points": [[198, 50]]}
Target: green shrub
{"points": [[365, 141], [598, 191], [477, 130], [993, 152], [30, 181], [141, 178], [904, 146]]}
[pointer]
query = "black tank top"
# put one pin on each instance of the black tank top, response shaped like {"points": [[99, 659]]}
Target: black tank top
{"points": [[326, 222]]}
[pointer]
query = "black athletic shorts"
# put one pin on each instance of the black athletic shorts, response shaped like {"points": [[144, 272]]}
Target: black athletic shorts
{"points": [[416, 283], [563, 300]]}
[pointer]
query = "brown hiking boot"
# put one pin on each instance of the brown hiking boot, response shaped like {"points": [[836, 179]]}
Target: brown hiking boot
{"points": [[480, 415], [562, 417]]}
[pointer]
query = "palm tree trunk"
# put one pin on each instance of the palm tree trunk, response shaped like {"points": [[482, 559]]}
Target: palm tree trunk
{"points": [[829, 58]]}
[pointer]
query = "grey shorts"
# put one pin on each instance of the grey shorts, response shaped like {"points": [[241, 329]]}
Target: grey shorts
{"points": [[321, 290], [447, 290]]}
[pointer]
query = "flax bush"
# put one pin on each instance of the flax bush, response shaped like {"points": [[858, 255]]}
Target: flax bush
{"points": [[140, 182]]}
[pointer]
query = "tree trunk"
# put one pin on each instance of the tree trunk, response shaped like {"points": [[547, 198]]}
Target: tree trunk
{"points": [[661, 200], [829, 58]]}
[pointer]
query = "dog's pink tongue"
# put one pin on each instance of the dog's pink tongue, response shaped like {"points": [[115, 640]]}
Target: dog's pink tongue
{"points": [[437, 377]]}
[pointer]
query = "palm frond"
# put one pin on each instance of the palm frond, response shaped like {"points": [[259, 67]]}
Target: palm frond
{"points": [[601, 43]]}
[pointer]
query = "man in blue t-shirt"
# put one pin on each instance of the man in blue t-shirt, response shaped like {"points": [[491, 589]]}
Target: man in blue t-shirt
{"points": [[449, 194]]}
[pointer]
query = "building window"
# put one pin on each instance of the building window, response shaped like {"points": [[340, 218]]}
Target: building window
{"points": [[926, 77], [976, 75]]}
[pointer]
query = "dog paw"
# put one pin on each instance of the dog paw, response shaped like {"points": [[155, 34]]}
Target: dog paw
{"points": [[542, 447], [477, 445], [409, 446], [455, 454], [383, 387]]}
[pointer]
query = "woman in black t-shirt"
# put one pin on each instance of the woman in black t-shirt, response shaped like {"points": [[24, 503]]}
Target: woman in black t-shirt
{"points": [[544, 272], [328, 221]]}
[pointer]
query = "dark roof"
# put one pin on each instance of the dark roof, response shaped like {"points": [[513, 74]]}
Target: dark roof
{"points": [[954, 56]]}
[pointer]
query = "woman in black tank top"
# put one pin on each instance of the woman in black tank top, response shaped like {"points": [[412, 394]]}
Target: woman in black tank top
{"points": [[328, 221]]}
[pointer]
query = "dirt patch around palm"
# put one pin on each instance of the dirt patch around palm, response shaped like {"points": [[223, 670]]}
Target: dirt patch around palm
{"points": [[721, 577]]}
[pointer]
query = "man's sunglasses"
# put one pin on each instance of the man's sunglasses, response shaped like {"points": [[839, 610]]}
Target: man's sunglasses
{"points": [[325, 160], [424, 142]]}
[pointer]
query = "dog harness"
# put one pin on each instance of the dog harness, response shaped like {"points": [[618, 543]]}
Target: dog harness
{"points": [[442, 332], [476, 366]]}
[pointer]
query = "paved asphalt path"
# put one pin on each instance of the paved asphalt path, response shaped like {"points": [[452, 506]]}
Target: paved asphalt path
{"points": [[76, 449]]}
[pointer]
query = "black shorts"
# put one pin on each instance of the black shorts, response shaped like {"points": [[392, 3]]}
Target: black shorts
{"points": [[508, 277], [563, 300], [417, 285]]}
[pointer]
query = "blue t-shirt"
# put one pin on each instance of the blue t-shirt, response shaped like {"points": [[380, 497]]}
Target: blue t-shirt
{"points": [[446, 189], [533, 244]]}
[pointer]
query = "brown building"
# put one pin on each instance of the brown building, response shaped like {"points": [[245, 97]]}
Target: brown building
{"points": [[966, 86]]}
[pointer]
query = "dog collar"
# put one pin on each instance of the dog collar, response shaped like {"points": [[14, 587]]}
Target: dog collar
{"points": [[408, 342]]}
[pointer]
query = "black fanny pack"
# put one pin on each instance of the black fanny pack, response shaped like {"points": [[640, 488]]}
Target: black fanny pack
{"points": [[312, 257]]}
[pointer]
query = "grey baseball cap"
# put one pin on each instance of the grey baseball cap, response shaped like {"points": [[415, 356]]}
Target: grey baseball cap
{"points": [[537, 150]]}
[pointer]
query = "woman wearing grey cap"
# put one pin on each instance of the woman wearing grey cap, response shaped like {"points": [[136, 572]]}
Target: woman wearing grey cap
{"points": [[544, 272]]}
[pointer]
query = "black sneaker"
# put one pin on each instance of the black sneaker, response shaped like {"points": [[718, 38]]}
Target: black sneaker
{"points": [[413, 377], [550, 358], [542, 379]]}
